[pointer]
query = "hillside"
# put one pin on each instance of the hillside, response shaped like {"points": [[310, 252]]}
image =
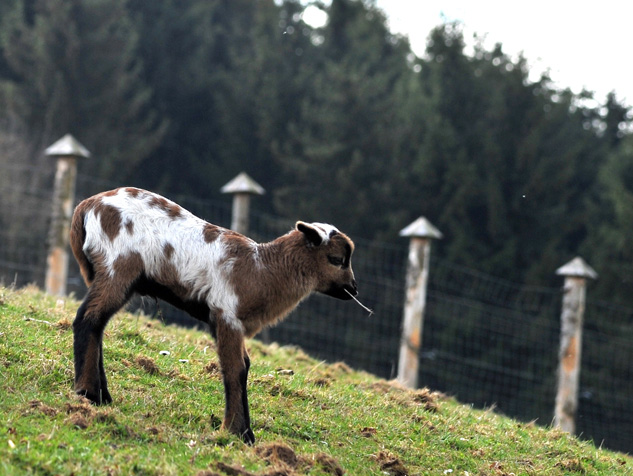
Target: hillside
{"points": [[309, 417]]}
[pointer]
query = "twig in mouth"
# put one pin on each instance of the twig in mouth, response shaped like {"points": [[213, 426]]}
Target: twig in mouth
{"points": [[359, 303]]}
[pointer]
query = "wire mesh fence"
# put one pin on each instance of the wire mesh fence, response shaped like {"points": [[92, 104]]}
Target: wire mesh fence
{"points": [[487, 341]]}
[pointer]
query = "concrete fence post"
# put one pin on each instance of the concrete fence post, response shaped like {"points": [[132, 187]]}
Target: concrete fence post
{"points": [[66, 151], [420, 234], [576, 273], [241, 187]]}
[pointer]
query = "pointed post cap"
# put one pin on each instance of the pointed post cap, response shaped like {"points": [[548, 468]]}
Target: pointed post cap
{"points": [[577, 268], [243, 184], [67, 146], [421, 228]]}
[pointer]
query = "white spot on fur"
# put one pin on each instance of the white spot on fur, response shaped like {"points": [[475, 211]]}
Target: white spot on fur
{"points": [[325, 231], [202, 267]]}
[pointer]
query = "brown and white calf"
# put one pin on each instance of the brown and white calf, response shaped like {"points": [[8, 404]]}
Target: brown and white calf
{"points": [[133, 241]]}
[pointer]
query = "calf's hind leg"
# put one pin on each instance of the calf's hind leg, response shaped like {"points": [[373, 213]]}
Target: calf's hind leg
{"points": [[90, 322]]}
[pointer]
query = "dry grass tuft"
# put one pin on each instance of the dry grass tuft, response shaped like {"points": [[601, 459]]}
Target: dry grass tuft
{"points": [[148, 365], [278, 454], [79, 420], [328, 464], [64, 324], [390, 464], [341, 367], [42, 408], [213, 368], [427, 398]]}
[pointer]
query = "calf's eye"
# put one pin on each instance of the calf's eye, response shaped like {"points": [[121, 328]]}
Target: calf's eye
{"points": [[336, 261]]}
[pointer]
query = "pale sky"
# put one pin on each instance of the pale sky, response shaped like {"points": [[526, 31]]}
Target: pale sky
{"points": [[581, 44]]}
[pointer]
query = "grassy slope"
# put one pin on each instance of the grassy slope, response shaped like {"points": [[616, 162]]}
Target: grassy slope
{"points": [[318, 419]]}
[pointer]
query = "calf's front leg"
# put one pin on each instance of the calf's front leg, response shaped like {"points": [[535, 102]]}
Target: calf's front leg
{"points": [[235, 364]]}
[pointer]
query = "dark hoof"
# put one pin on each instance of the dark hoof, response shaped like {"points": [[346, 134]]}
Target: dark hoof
{"points": [[248, 437], [102, 398]]}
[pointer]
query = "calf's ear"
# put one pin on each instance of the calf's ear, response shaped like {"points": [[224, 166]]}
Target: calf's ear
{"points": [[315, 236]]}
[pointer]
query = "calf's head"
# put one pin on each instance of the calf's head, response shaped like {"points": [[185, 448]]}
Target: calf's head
{"points": [[332, 255]]}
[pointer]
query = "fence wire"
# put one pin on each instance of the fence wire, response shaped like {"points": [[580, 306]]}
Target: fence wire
{"points": [[487, 341]]}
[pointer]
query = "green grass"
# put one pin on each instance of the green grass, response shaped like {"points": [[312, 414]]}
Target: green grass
{"points": [[309, 417]]}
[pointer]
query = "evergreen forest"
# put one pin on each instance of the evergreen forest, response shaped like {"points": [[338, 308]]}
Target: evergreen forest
{"points": [[340, 124]]}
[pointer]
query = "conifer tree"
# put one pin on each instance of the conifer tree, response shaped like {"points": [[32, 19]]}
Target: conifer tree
{"points": [[608, 244], [504, 161], [226, 75], [71, 66], [340, 148]]}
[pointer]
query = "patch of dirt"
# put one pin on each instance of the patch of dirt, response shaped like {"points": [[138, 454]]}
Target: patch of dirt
{"points": [[84, 408], [385, 387], [329, 464], [497, 467], [282, 371], [279, 472], [341, 367], [275, 390], [148, 365], [78, 420], [278, 454], [427, 398], [80, 414], [368, 432], [106, 416], [64, 324], [573, 464], [175, 374], [424, 397], [390, 464], [232, 470], [423, 421], [43, 408], [478, 453], [283, 461], [213, 368], [324, 381]]}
